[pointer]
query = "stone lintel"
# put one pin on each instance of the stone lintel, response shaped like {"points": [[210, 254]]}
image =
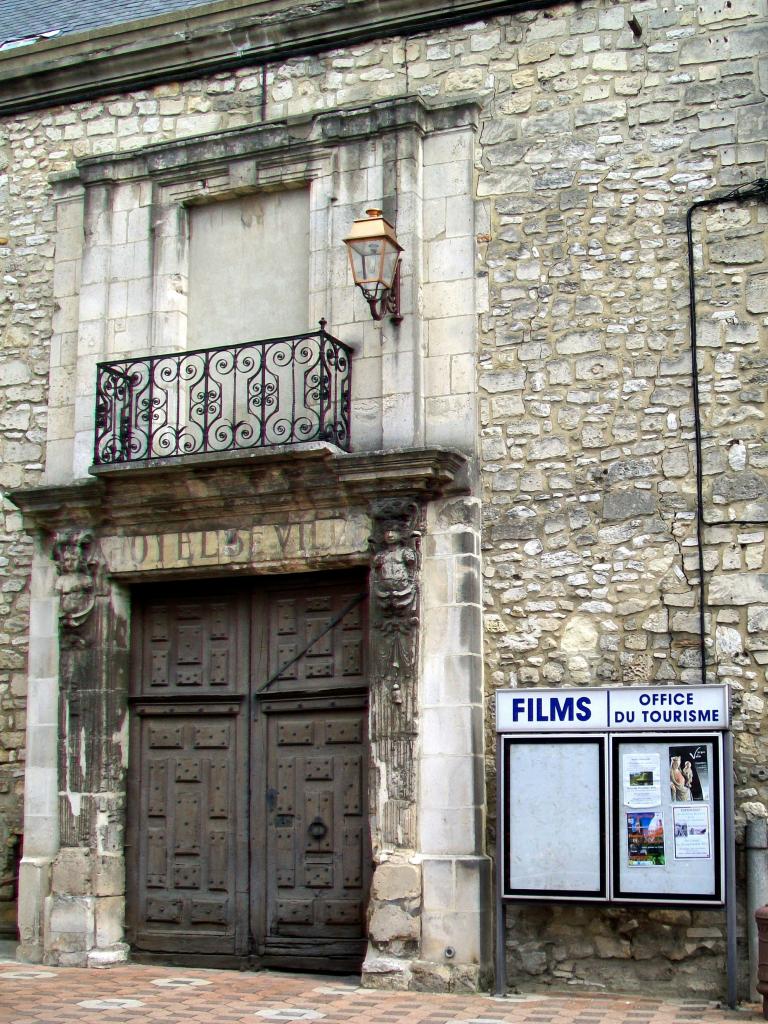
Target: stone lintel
{"points": [[216, 37], [299, 136], [234, 489]]}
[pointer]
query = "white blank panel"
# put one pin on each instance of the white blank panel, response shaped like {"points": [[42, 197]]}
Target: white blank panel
{"points": [[249, 268], [554, 796]]}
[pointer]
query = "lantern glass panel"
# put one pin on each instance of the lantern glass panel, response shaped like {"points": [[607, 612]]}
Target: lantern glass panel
{"points": [[389, 265], [373, 256], [366, 261]]}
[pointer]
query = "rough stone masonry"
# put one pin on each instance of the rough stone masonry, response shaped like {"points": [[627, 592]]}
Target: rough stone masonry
{"points": [[594, 142]]}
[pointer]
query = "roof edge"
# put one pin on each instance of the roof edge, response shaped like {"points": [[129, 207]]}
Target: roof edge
{"points": [[215, 37]]}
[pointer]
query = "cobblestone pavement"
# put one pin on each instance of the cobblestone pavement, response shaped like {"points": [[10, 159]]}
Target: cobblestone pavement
{"points": [[133, 994]]}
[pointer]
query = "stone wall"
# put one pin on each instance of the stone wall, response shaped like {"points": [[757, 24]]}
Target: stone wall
{"points": [[26, 251], [731, 263], [595, 141], [591, 558]]}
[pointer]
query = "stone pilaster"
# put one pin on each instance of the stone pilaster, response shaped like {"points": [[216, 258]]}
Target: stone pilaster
{"points": [[395, 903], [456, 916], [84, 913]]}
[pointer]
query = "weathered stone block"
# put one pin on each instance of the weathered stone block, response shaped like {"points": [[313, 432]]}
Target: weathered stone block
{"points": [[578, 344], [72, 872], [548, 448], [630, 469], [615, 110], [391, 923], [627, 504], [532, 958], [392, 881], [757, 293], [673, 917], [612, 946], [116, 954], [109, 876], [109, 914], [742, 486], [387, 972], [739, 589], [70, 924], [738, 250], [503, 381], [757, 618]]}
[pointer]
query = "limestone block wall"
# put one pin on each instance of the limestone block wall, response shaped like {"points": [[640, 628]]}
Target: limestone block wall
{"points": [[731, 262], [597, 150], [26, 251], [124, 285], [594, 143], [456, 875]]}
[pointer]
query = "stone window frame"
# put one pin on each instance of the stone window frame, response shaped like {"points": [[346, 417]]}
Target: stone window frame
{"points": [[176, 176], [130, 298], [173, 202]]}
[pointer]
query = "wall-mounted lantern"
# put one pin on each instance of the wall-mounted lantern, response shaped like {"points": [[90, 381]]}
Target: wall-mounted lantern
{"points": [[374, 255]]}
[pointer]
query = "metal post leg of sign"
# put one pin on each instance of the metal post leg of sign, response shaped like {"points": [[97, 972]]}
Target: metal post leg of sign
{"points": [[730, 872], [500, 987]]}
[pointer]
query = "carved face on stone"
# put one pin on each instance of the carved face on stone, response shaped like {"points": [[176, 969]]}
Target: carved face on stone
{"points": [[69, 552], [70, 557]]}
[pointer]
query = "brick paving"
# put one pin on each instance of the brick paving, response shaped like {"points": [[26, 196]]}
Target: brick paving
{"points": [[133, 994]]}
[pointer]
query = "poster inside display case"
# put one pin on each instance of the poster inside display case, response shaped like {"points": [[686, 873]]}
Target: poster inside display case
{"points": [[667, 841]]}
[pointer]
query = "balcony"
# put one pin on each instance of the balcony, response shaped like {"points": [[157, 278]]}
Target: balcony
{"points": [[210, 401]]}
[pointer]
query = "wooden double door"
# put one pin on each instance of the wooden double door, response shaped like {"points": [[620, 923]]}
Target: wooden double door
{"points": [[247, 822]]}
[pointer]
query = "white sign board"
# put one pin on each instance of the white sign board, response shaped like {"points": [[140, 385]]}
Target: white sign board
{"points": [[665, 708], [644, 708], [545, 710]]}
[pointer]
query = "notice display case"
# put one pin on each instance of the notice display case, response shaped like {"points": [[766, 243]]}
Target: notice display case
{"points": [[593, 810]]}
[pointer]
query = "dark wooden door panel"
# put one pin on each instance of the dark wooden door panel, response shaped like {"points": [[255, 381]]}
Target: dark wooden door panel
{"points": [[336, 658], [316, 840], [186, 878], [187, 860], [190, 646]]}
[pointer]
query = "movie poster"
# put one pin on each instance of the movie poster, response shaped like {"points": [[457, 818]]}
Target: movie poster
{"points": [[689, 773], [645, 839]]}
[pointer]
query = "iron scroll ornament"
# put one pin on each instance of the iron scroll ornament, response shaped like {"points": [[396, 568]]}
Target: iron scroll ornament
{"points": [[233, 398]]}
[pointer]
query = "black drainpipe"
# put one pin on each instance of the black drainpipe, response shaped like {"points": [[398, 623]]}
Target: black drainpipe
{"points": [[757, 190]]}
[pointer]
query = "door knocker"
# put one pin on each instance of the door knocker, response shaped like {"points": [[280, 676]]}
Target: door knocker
{"points": [[317, 828]]}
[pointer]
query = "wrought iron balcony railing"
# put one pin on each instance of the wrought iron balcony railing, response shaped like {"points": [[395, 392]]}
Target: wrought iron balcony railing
{"points": [[262, 393]]}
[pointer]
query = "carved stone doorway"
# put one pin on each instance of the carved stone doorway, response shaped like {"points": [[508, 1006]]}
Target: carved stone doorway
{"points": [[248, 833]]}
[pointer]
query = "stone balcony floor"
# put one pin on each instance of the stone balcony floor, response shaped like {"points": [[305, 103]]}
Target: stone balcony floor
{"points": [[134, 994]]}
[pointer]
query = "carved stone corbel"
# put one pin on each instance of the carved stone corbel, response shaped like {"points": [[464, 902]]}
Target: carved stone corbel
{"points": [[78, 570], [395, 610]]}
